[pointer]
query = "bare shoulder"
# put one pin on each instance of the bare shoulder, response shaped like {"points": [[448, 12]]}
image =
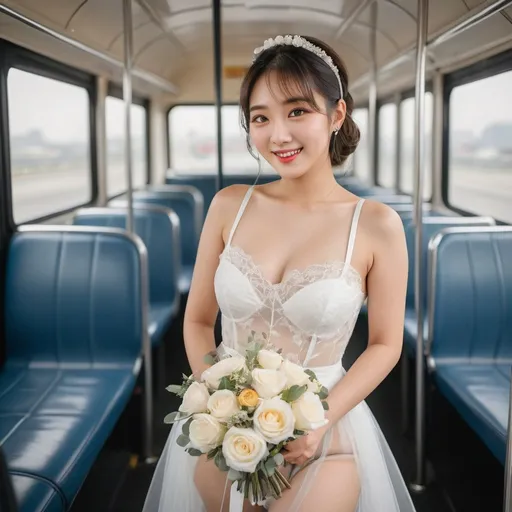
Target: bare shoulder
{"points": [[380, 221], [225, 205], [228, 199]]}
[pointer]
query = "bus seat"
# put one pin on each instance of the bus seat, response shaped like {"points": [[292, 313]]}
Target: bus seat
{"points": [[33, 494], [75, 330], [431, 226], [470, 347], [158, 227], [187, 202]]}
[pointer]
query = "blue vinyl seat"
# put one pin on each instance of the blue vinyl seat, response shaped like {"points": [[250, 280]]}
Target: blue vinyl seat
{"points": [[159, 229], [470, 343], [431, 226], [75, 335], [187, 202]]}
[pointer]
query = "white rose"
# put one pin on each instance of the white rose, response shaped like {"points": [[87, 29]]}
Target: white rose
{"points": [[268, 383], [206, 432], [274, 420], [221, 369], [309, 412], [269, 360], [243, 449], [223, 404], [195, 399], [295, 374]]}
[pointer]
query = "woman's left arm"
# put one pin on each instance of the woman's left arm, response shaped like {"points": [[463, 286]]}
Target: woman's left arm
{"points": [[386, 284], [386, 290]]}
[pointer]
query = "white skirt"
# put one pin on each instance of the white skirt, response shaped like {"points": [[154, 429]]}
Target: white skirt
{"points": [[382, 486]]}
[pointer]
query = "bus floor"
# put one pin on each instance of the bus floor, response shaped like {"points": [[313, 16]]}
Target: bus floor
{"points": [[462, 474]]}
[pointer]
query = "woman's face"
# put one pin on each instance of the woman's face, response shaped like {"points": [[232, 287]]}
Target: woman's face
{"points": [[287, 131]]}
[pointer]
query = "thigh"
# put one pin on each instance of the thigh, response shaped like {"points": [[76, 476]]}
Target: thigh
{"points": [[211, 484], [335, 489]]}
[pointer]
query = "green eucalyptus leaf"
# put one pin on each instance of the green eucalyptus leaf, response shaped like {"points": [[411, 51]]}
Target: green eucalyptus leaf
{"points": [[182, 440], [186, 427], [325, 405]]}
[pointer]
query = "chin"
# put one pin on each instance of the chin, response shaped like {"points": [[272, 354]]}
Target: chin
{"points": [[289, 171]]}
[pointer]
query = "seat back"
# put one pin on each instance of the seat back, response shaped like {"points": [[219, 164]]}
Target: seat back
{"points": [[471, 294], [75, 296], [159, 229], [431, 226], [186, 202]]}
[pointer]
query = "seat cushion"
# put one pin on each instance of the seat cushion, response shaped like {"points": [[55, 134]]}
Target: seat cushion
{"points": [[480, 393], [36, 495], [185, 278], [160, 318], [57, 420], [411, 330]]}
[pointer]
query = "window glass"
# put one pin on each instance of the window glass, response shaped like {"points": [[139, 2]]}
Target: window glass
{"points": [[49, 131], [116, 171], [193, 141], [387, 145], [407, 165], [361, 161], [480, 147]]}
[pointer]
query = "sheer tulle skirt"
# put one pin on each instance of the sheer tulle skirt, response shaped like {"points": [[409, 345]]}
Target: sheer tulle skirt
{"points": [[382, 486]]}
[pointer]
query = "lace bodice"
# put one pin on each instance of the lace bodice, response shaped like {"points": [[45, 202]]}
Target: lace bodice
{"points": [[310, 315]]}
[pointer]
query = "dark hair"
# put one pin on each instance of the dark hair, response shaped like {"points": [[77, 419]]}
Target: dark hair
{"points": [[301, 68]]}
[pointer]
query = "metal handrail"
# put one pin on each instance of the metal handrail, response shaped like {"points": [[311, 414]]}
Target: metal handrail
{"points": [[138, 73]]}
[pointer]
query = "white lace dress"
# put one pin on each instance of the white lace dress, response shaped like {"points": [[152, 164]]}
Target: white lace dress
{"points": [[311, 316]]}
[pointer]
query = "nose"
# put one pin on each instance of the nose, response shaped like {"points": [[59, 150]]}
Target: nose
{"points": [[280, 133]]}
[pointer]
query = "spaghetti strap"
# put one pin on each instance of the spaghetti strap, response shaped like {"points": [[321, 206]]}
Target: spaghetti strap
{"points": [[240, 213], [353, 231]]}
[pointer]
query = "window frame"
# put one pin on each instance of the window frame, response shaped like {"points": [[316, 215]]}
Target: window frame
{"points": [[116, 91], [405, 95], [13, 56], [486, 68]]}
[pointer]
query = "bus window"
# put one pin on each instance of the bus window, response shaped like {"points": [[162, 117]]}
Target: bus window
{"points": [[193, 141], [361, 156], [49, 134], [116, 171], [387, 145], [407, 164], [480, 147]]}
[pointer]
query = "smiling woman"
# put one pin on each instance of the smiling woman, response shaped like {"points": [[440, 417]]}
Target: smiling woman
{"points": [[309, 99]]}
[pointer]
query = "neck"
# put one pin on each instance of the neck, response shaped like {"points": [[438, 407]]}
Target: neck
{"points": [[312, 187]]}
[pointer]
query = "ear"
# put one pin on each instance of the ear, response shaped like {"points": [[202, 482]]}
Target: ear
{"points": [[338, 115]]}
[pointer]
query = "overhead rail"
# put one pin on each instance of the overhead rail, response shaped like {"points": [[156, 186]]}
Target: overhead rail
{"points": [[470, 20], [146, 76]]}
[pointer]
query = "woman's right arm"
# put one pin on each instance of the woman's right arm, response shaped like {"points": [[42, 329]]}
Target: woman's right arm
{"points": [[202, 308]]}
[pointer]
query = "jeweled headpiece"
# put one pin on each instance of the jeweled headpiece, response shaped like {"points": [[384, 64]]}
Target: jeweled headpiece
{"points": [[300, 42]]}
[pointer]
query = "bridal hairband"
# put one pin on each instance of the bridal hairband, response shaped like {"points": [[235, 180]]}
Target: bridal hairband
{"points": [[300, 42]]}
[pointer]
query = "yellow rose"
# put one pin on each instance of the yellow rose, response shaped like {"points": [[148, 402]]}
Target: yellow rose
{"points": [[248, 398]]}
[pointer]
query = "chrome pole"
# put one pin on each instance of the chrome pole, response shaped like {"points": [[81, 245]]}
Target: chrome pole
{"points": [[507, 492], [372, 95], [419, 155], [127, 96], [217, 57]]}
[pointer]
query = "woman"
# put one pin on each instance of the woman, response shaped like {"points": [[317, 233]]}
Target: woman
{"points": [[295, 259]]}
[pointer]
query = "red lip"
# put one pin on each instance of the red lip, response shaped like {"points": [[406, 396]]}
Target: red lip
{"points": [[287, 159]]}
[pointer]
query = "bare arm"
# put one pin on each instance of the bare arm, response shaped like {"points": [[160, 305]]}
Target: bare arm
{"points": [[202, 308], [386, 284]]}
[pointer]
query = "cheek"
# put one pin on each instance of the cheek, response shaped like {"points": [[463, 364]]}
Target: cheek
{"points": [[259, 138]]}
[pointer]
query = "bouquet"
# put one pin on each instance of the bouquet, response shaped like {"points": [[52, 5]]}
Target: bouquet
{"points": [[244, 410]]}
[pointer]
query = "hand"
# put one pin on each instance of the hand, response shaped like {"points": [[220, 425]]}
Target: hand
{"points": [[300, 450]]}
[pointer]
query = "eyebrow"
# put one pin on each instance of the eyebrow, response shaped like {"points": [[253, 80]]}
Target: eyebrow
{"points": [[288, 101]]}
